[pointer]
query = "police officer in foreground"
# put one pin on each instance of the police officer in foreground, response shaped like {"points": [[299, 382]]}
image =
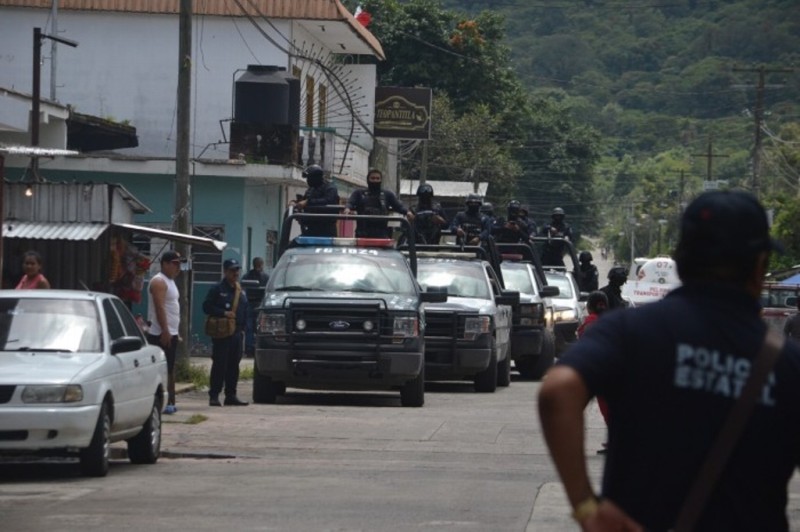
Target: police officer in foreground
{"points": [[375, 200], [590, 277], [428, 216], [318, 198], [671, 372], [617, 276], [513, 229], [469, 225]]}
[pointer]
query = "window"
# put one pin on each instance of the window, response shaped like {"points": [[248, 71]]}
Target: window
{"points": [[323, 106], [115, 329], [309, 101], [128, 321]]}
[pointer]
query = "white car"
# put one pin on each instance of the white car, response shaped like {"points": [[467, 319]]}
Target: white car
{"points": [[76, 374], [569, 308]]}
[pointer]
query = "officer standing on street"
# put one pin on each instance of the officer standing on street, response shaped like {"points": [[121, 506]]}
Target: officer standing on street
{"points": [[671, 372], [318, 199], [226, 299], [375, 200], [590, 277]]}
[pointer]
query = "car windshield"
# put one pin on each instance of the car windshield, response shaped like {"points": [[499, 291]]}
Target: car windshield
{"points": [[33, 324], [563, 284], [517, 277], [461, 279], [337, 269]]}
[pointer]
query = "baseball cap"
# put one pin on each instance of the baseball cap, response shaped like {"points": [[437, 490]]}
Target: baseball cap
{"points": [[172, 256], [231, 264], [724, 224]]}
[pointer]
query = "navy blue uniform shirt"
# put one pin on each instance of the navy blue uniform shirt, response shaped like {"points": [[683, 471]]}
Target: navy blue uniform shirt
{"points": [[220, 300], [670, 372]]}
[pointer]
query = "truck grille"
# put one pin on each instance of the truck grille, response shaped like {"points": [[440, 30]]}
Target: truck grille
{"points": [[340, 324], [443, 325]]}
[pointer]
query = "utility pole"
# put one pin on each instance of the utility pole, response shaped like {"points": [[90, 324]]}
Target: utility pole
{"points": [[423, 171], [759, 119], [709, 155], [53, 49], [182, 185]]}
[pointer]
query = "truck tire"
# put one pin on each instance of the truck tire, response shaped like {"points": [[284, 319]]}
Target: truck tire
{"points": [[486, 380], [504, 371], [264, 390], [412, 393], [546, 358]]}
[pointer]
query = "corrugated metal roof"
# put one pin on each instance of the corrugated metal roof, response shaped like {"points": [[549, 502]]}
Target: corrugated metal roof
{"points": [[444, 189], [331, 10], [53, 230]]}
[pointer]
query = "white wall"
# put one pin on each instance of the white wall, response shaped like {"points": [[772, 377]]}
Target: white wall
{"points": [[126, 68]]}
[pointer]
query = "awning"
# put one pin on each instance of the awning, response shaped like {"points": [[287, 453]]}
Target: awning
{"points": [[92, 231], [53, 230], [219, 245]]}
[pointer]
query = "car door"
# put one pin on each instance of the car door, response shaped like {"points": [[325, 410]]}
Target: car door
{"points": [[129, 378], [152, 363]]}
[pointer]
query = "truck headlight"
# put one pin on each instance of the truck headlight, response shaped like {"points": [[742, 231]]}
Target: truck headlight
{"points": [[473, 326], [272, 323], [405, 327], [566, 314], [61, 393]]}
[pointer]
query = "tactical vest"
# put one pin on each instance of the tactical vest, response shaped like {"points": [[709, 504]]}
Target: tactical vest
{"points": [[375, 204], [471, 225]]}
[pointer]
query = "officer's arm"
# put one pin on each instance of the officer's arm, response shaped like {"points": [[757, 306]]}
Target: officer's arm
{"points": [[394, 203], [210, 306], [563, 397], [353, 200]]}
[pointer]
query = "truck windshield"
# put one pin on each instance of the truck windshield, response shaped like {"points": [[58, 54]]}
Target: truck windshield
{"points": [[517, 277], [461, 279]]}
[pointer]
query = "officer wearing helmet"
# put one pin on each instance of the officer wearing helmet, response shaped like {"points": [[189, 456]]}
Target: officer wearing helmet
{"points": [[487, 209], [429, 218], [320, 197], [554, 250], [375, 200], [617, 276], [589, 280], [514, 228], [469, 225]]}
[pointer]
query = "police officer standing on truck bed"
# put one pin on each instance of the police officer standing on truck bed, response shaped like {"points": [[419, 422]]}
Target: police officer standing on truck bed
{"points": [[375, 200], [513, 229], [428, 216], [317, 200], [469, 225]]}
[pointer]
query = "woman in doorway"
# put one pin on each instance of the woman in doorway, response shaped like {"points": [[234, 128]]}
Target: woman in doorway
{"points": [[33, 278]]}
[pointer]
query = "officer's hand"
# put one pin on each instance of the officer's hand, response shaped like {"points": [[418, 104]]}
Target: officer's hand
{"points": [[459, 232], [301, 204], [348, 211], [410, 216], [609, 516]]}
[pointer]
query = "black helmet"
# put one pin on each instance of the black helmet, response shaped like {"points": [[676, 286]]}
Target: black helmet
{"points": [[425, 190], [558, 211], [513, 208], [618, 274], [585, 256], [487, 208], [474, 199], [597, 302], [313, 171]]}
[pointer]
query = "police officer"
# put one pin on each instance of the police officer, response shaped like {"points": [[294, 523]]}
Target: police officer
{"points": [[553, 251], [226, 300], [469, 225], [513, 229], [428, 216], [617, 276], [589, 280], [318, 199], [487, 209], [523, 215], [375, 200]]}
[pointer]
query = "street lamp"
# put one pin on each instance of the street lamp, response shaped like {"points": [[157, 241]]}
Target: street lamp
{"points": [[661, 224], [37, 74]]}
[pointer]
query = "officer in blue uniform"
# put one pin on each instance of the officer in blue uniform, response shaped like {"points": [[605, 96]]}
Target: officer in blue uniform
{"points": [[375, 200], [671, 372], [469, 225], [221, 301], [321, 197], [428, 216]]}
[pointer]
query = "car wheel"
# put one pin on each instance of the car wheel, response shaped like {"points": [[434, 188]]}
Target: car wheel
{"points": [[504, 372], [546, 358], [265, 391], [486, 380], [413, 392], [145, 447], [94, 459]]}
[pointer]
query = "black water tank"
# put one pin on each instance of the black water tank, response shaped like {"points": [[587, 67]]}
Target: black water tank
{"points": [[262, 96]]}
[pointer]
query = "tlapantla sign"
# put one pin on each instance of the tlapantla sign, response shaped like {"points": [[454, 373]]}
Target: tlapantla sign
{"points": [[402, 113]]}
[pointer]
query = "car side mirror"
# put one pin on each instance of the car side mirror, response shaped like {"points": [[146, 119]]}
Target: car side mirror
{"points": [[507, 297], [549, 291], [126, 344], [434, 294]]}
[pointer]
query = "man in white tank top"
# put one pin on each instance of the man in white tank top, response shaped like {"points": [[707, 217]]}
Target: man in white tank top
{"points": [[164, 315]]}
